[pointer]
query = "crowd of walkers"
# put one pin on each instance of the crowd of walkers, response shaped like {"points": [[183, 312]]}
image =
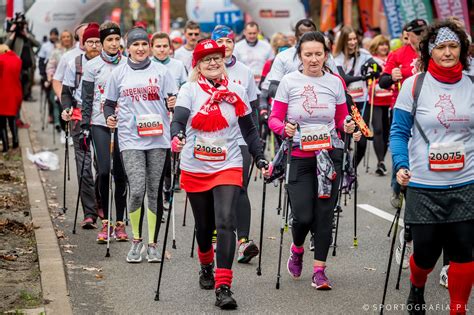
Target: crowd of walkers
{"points": [[136, 106]]}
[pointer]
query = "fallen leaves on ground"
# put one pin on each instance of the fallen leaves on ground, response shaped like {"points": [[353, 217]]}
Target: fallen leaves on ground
{"points": [[272, 238], [99, 276], [17, 228], [167, 255], [370, 269], [92, 269]]}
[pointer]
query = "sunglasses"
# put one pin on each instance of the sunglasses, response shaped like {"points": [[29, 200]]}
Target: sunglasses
{"points": [[192, 34]]}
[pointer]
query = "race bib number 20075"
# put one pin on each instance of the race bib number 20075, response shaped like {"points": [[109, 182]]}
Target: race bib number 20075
{"points": [[446, 156]]}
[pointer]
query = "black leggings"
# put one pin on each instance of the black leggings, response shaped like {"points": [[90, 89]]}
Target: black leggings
{"points": [[310, 212], [216, 209], [381, 125], [457, 239], [362, 144], [243, 206], [11, 120], [101, 140]]}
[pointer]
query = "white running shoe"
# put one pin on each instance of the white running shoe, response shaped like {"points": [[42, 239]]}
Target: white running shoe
{"points": [[408, 251], [443, 276]]}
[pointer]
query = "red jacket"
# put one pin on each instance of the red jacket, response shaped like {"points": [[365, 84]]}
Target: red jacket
{"points": [[10, 84]]}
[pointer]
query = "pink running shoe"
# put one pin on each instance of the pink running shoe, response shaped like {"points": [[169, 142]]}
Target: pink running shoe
{"points": [[120, 233], [102, 236]]}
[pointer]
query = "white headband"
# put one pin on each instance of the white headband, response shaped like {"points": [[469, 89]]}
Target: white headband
{"points": [[445, 34]]}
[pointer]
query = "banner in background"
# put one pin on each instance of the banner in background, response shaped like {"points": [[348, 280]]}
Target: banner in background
{"points": [[416, 9], [328, 15], [14, 6], [394, 20], [115, 15], [458, 8], [165, 16], [348, 12], [366, 14]]}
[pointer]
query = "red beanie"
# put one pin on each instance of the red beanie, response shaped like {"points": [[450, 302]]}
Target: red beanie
{"points": [[206, 47], [91, 31]]}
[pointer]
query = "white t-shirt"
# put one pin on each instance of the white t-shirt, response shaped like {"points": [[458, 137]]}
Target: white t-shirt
{"points": [[242, 75], [185, 56], [63, 62], [287, 61], [192, 97], [253, 57], [358, 89], [70, 78], [471, 69], [311, 100], [139, 93], [177, 70], [46, 50], [446, 114], [98, 71]]}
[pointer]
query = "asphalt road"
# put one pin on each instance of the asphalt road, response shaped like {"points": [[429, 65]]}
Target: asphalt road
{"points": [[357, 273]]}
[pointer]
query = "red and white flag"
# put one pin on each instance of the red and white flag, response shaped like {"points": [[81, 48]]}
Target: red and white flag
{"points": [[14, 6]]}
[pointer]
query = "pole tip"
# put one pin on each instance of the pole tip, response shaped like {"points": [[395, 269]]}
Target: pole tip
{"points": [[278, 286]]}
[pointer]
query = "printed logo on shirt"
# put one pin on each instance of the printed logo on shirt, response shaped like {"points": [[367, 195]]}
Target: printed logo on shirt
{"points": [[311, 100], [151, 92], [414, 67], [447, 116], [101, 97]]}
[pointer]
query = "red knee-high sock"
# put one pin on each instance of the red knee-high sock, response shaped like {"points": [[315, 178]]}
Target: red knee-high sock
{"points": [[461, 280], [223, 276], [418, 276], [207, 257]]}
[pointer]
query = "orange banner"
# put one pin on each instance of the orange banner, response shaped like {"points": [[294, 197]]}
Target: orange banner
{"points": [[366, 14], [328, 15], [165, 16], [347, 11]]}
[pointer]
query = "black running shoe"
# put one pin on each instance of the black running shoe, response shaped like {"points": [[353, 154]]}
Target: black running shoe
{"points": [[224, 298], [416, 301], [206, 277], [247, 251], [381, 169]]}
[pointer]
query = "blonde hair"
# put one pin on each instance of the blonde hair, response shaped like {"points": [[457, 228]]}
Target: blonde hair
{"points": [[278, 39], [376, 42], [3, 49]]}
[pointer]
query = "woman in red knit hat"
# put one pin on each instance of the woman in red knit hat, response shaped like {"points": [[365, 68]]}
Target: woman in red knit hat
{"points": [[211, 112]]}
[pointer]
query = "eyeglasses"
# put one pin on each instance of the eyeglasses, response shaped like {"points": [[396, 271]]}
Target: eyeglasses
{"points": [[192, 34], [91, 43], [207, 60]]}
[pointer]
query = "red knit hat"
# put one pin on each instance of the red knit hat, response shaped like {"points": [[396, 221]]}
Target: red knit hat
{"points": [[91, 31], [206, 47]]}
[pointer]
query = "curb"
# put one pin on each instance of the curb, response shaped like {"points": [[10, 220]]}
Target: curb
{"points": [[51, 265]]}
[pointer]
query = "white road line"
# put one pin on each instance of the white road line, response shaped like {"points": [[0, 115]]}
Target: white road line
{"points": [[380, 213]]}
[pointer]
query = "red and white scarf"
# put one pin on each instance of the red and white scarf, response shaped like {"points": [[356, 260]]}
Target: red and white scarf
{"points": [[209, 118]]}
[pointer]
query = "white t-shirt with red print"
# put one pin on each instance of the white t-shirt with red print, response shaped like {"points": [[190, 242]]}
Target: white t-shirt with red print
{"points": [[192, 97], [311, 100], [253, 57], [446, 115], [142, 116], [185, 56], [98, 71]]}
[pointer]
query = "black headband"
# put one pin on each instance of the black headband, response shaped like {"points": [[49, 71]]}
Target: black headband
{"points": [[109, 31]]}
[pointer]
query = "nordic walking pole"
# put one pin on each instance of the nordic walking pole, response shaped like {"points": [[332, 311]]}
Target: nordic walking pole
{"points": [[285, 209], [279, 197], [338, 207], [79, 191], [391, 227], [111, 191], [370, 118], [185, 210], [397, 218], [264, 193], [66, 164], [168, 219], [404, 247], [174, 225], [356, 184], [194, 241]]}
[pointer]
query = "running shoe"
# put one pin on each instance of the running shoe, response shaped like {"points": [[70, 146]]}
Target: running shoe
{"points": [[320, 281], [224, 298], [416, 301], [443, 276], [395, 200], [135, 253], [120, 233], [381, 169], [166, 204], [152, 253], [311, 243], [408, 250], [247, 250], [214, 240], [295, 264], [88, 224], [21, 124], [206, 277], [103, 235]]}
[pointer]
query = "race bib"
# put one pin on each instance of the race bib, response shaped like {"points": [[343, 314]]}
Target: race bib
{"points": [[379, 92], [446, 156], [356, 89], [315, 138], [210, 150], [149, 125]]}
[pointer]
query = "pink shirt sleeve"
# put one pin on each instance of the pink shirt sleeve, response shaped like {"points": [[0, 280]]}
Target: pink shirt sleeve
{"points": [[277, 117], [341, 113]]}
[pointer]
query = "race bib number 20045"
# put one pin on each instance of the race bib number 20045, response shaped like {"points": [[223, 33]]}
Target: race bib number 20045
{"points": [[446, 156], [315, 138]]}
